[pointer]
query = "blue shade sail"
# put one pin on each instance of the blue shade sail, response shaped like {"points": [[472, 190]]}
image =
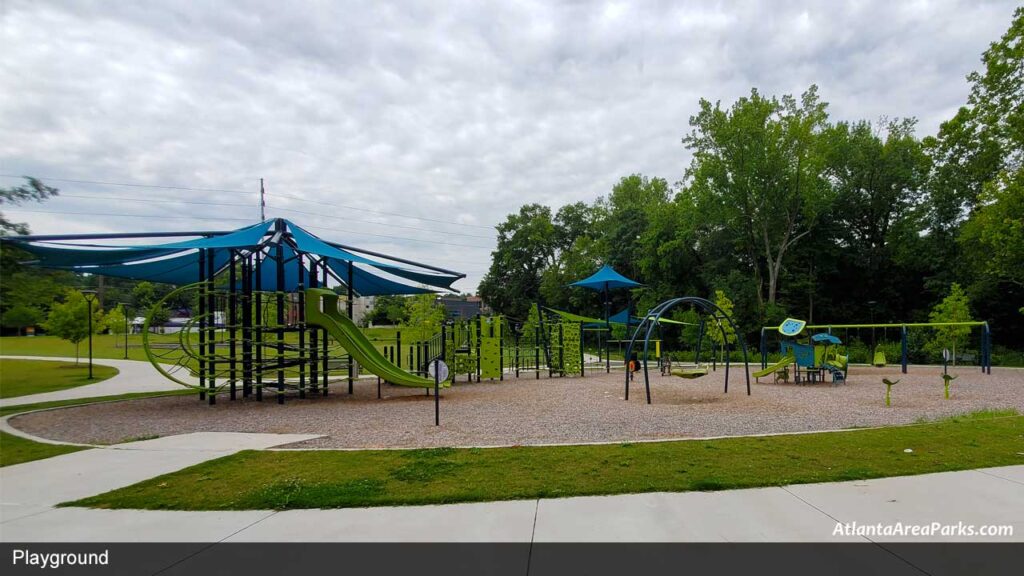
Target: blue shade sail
{"points": [[606, 279]]}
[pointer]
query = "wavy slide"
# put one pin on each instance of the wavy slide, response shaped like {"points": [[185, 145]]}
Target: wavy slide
{"points": [[341, 328]]}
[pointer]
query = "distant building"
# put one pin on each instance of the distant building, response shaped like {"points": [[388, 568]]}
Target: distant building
{"points": [[361, 306], [463, 307]]}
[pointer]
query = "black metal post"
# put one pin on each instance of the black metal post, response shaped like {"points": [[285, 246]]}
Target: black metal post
{"points": [[314, 334], [88, 300], [536, 349], [258, 324], [516, 338], [561, 350], [279, 300], [903, 349], [608, 338], [211, 336], [583, 370], [349, 308], [124, 310], [202, 325], [247, 344], [301, 318], [325, 361], [232, 319]]}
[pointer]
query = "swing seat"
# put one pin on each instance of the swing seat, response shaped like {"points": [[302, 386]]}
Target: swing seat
{"points": [[690, 373]]}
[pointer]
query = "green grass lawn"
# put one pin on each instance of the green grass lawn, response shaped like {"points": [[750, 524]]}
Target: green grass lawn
{"points": [[103, 346], [16, 450], [328, 479], [23, 377]]}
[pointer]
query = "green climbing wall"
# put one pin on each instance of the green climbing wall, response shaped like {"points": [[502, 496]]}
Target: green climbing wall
{"points": [[490, 347], [571, 348]]}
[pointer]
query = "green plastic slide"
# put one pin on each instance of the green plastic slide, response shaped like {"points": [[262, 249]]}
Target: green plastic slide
{"points": [[773, 368], [879, 360], [352, 339]]}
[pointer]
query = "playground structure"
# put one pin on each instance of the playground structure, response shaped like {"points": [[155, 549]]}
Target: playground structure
{"points": [[818, 356], [791, 328], [708, 311], [265, 304], [491, 347], [266, 313]]}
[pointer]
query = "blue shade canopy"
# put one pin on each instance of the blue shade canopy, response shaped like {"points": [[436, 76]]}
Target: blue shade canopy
{"points": [[606, 279], [69, 256], [247, 237], [306, 242], [621, 318], [366, 283], [178, 262], [74, 256], [180, 270]]}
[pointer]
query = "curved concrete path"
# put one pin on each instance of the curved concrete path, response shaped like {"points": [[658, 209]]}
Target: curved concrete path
{"points": [[133, 376]]}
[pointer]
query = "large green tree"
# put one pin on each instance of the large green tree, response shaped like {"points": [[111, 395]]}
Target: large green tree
{"points": [[527, 245], [756, 171], [979, 182]]}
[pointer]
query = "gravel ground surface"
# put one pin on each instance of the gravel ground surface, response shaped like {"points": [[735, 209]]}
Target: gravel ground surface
{"points": [[558, 410]]}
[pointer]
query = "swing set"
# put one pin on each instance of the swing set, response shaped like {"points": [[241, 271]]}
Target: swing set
{"points": [[877, 356]]}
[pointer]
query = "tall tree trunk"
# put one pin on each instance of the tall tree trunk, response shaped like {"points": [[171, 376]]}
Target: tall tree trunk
{"points": [[76, 352]]}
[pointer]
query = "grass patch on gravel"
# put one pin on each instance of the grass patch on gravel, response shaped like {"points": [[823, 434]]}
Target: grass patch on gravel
{"points": [[337, 479], [23, 377]]}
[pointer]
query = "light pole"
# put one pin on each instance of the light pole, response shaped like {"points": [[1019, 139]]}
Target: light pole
{"points": [[90, 295], [124, 310]]}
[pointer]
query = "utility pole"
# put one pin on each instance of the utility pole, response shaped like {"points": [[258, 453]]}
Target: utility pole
{"points": [[263, 202]]}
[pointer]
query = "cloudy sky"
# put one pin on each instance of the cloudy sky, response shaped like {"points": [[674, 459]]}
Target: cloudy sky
{"points": [[414, 127]]}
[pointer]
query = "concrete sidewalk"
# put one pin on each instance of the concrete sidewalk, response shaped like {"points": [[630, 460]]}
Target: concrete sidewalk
{"points": [[133, 376], [37, 487]]}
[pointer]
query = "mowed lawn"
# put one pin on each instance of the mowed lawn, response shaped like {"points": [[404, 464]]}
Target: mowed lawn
{"points": [[328, 479], [23, 377]]}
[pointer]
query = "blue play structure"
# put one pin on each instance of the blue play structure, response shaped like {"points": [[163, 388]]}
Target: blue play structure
{"points": [[819, 356]]}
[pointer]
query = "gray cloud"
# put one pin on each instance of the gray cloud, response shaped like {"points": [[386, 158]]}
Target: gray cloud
{"points": [[458, 112]]}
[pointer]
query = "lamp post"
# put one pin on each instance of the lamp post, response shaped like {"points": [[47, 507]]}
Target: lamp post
{"points": [[90, 295], [124, 310]]}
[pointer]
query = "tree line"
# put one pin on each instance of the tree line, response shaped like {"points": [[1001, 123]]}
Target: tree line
{"points": [[792, 213]]}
